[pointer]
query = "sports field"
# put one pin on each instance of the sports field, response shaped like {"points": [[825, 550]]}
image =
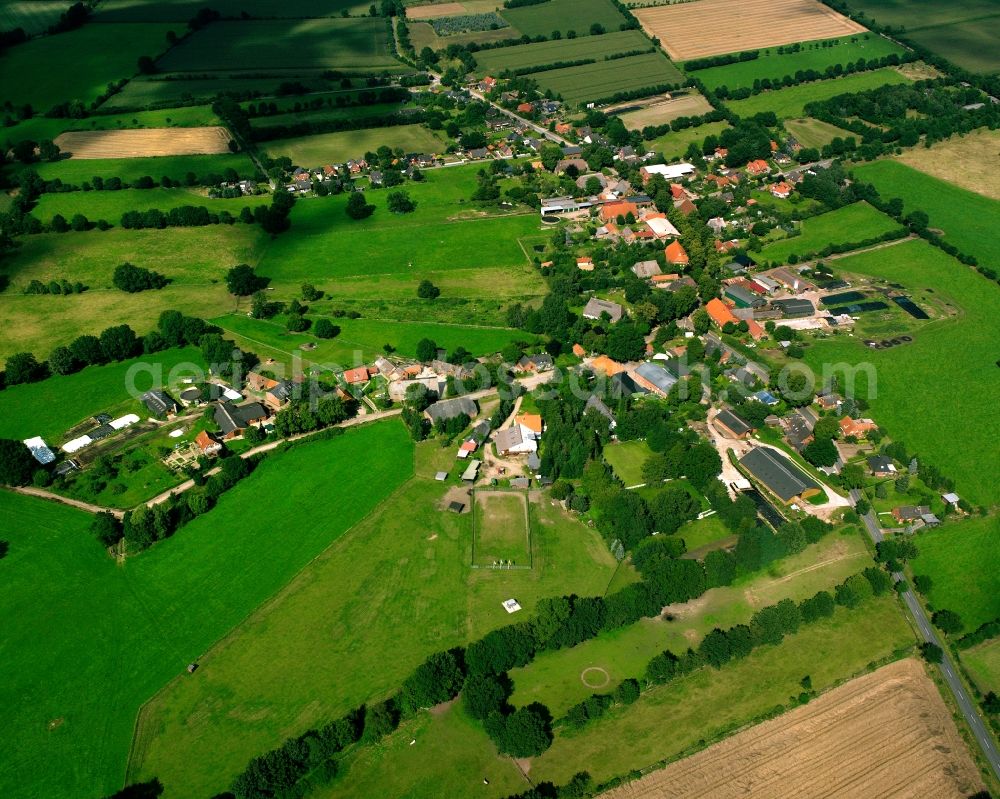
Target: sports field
{"points": [[603, 79], [964, 217], [713, 27], [78, 65], [853, 223], [792, 101], [524, 56], [176, 167], [959, 161], [37, 409], [685, 105], [324, 148], [148, 142], [813, 55], [564, 16], [963, 561], [675, 144], [938, 412], [350, 634], [814, 133], [116, 635], [502, 529], [313, 44]]}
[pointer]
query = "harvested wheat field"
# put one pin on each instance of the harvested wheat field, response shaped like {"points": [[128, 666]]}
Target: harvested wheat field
{"points": [[887, 734], [687, 105], [144, 142], [435, 11], [713, 27]]}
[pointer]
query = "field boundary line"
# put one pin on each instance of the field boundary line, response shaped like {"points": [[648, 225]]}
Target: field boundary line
{"points": [[255, 613]]}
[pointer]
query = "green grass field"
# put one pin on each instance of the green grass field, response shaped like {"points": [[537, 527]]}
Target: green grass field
{"points": [[851, 223], [675, 144], [935, 393], [554, 678], [564, 16], [501, 529], [814, 55], [183, 10], [971, 44], [965, 217], [923, 13], [702, 532], [157, 90], [792, 101], [539, 54], [39, 127], [326, 115], [627, 458], [983, 662], [317, 44], [82, 170], [604, 79], [814, 133], [350, 634], [115, 635], [78, 65], [41, 409], [34, 16], [325, 148], [110, 205], [963, 561]]}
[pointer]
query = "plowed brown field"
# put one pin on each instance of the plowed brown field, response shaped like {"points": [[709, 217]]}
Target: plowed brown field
{"points": [[887, 734], [713, 27], [144, 142]]}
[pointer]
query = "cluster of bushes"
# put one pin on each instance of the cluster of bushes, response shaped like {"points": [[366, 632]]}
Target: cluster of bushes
{"points": [[302, 416], [133, 279], [651, 132], [98, 183], [984, 632], [522, 3], [720, 60], [55, 287], [182, 216]]}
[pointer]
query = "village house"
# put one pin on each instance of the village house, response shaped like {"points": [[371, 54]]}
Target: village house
{"points": [[653, 379], [577, 163], [606, 366], [595, 308], [731, 425], [646, 269], [881, 466], [585, 263], [443, 410], [234, 419], [357, 375], [910, 513], [719, 312], [611, 211], [661, 227], [676, 254], [208, 445], [858, 428], [758, 168], [781, 190], [540, 362], [278, 394], [799, 426], [666, 171]]}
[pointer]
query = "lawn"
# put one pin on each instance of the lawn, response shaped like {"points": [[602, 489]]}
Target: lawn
{"points": [[702, 532], [601, 80], [814, 55], [675, 144], [78, 65], [792, 101], [501, 529], [709, 703], [115, 635], [39, 127], [326, 148], [938, 411], [983, 662], [81, 170], [814, 133], [852, 223], [554, 678], [350, 628], [963, 561], [523, 56], [966, 218], [110, 205], [53, 406], [564, 16], [626, 459], [316, 44]]}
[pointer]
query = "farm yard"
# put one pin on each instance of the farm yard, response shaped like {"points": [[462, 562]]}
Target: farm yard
{"points": [[526, 56], [144, 142], [663, 110], [324, 148], [910, 382], [791, 101], [853, 223], [888, 730], [593, 82], [310, 44], [814, 55], [192, 591], [713, 27]]}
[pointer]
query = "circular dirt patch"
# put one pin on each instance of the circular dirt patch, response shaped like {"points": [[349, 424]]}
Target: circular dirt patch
{"points": [[595, 677]]}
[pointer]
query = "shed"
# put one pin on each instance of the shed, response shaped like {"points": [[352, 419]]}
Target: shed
{"points": [[472, 471], [778, 474]]}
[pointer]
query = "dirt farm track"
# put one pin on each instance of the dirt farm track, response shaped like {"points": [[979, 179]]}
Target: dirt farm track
{"points": [[144, 142], [713, 27], [887, 734]]}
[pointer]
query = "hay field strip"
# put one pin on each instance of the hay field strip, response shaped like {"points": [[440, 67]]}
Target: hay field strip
{"points": [[686, 105], [603, 79], [887, 733], [713, 27], [435, 11], [144, 142]]}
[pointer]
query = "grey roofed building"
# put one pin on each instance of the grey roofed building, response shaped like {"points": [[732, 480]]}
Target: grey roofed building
{"points": [[101, 432], [800, 423], [742, 375], [480, 432], [646, 269], [159, 402], [795, 307], [735, 424], [520, 482], [881, 464], [742, 297], [231, 418], [596, 307], [471, 471], [681, 282], [449, 409], [622, 385], [572, 149], [596, 403], [656, 376], [508, 438], [534, 462], [778, 474]]}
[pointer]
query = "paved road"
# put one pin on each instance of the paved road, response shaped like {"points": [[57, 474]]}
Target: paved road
{"points": [[962, 698]]}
